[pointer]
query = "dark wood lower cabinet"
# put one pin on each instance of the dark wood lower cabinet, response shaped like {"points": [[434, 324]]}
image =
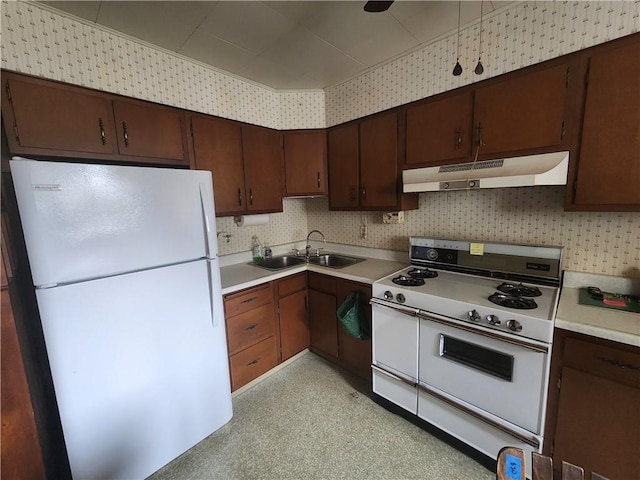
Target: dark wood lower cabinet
{"points": [[593, 413], [292, 314], [328, 337]]}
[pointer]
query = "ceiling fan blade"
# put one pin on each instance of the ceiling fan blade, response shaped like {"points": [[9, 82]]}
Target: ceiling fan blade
{"points": [[373, 6]]}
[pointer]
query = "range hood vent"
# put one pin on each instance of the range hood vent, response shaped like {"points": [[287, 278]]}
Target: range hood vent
{"points": [[545, 169]]}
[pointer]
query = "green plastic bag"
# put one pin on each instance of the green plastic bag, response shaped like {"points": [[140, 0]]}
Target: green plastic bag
{"points": [[351, 316]]}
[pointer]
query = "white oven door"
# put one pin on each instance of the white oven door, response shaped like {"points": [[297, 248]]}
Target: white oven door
{"points": [[481, 368]]}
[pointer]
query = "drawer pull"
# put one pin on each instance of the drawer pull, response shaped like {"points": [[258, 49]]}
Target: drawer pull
{"points": [[253, 362], [249, 300], [617, 363], [252, 326]]}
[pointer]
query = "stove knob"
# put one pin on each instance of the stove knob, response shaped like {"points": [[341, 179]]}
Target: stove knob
{"points": [[493, 320], [473, 315], [514, 325], [400, 298], [388, 295]]}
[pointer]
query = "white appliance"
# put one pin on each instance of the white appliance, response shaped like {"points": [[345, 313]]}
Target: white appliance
{"points": [[124, 263], [462, 340]]}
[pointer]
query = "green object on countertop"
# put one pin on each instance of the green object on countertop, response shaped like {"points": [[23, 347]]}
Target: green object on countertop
{"points": [[351, 316], [632, 303]]}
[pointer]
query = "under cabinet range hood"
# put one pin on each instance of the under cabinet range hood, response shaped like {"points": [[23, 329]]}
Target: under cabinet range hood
{"points": [[544, 169]]}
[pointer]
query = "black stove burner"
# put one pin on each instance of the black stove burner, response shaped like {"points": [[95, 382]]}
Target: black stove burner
{"points": [[407, 281], [422, 273], [520, 303], [519, 290]]}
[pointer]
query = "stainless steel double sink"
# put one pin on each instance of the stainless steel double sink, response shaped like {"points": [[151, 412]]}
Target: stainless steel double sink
{"points": [[331, 260]]}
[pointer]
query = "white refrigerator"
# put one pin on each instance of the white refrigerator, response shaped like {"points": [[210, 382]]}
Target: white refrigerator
{"points": [[124, 263]]}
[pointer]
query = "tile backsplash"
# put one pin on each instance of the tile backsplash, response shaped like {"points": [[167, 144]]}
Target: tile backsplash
{"points": [[37, 41]]}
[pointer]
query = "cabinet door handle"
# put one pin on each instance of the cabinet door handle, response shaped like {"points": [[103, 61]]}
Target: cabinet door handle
{"points": [[253, 362], [250, 196], [125, 134], [479, 129], [318, 179], [103, 137], [239, 197], [458, 139], [364, 193], [249, 300], [252, 326], [618, 363]]}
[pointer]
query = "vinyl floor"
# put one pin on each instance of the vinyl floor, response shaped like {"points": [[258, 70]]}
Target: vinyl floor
{"points": [[313, 420]]}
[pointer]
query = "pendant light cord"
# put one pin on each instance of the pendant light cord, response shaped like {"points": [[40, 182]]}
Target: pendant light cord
{"points": [[480, 48], [458, 51]]}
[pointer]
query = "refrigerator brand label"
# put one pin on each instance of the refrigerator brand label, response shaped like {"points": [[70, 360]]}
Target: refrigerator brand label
{"points": [[47, 187]]}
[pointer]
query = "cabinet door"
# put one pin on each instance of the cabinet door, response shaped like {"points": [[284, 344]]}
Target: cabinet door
{"points": [[294, 326], [524, 112], [152, 131], [305, 162], [46, 118], [262, 150], [609, 159], [598, 425], [217, 145], [323, 324], [344, 185], [379, 161], [355, 353], [440, 131]]}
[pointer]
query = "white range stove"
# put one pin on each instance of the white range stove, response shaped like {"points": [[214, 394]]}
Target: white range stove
{"points": [[462, 339]]}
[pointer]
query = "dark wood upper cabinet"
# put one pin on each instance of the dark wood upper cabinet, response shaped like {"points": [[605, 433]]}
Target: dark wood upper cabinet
{"points": [[344, 179], [608, 170], [524, 112], [152, 131], [48, 118], [262, 152], [364, 169], [440, 131], [305, 162], [245, 162], [217, 146]]}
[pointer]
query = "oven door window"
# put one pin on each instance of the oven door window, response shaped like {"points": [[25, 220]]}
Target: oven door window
{"points": [[475, 356]]}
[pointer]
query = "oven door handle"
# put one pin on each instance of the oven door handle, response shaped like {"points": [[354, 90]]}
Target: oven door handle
{"points": [[512, 340], [401, 378], [412, 312], [529, 440]]}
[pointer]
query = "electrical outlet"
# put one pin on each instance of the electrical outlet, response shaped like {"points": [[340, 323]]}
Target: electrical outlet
{"points": [[393, 217], [363, 231]]}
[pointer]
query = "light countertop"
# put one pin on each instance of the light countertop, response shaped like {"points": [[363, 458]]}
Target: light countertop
{"points": [[238, 276], [616, 325]]}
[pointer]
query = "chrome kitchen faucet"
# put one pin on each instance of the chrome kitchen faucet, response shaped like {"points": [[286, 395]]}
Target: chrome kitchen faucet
{"points": [[308, 246]]}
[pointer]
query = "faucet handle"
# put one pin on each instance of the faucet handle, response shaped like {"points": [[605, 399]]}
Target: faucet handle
{"points": [[296, 251], [318, 251]]}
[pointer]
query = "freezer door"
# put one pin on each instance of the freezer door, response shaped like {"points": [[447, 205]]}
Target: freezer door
{"points": [[139, 366], [89, 221]]}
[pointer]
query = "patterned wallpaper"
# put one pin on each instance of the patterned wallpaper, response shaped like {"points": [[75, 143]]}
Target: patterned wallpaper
{"points": [[515, 37], [39, 42]]}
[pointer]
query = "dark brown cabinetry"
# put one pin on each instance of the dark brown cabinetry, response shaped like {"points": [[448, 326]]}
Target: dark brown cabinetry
{"points": [[328, 337], [525, 111], [609, 163], [364, 169], [245, 163], [305, 162], [46, 118], [593, 415], [292, 315], [251, 333], [440, 130]]}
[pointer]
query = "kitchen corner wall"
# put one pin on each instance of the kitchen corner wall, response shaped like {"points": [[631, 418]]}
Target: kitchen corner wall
{"points": [[38, 41]]}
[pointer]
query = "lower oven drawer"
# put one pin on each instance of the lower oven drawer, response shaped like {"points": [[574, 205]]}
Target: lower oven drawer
{"points": [[395, 390], [473, 431]]}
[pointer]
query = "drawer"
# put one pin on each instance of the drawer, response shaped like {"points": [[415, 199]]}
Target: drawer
{"points": [[292, 284], [322, 283], [252, 362], [244, 300], [618, 365], [249, 328]]}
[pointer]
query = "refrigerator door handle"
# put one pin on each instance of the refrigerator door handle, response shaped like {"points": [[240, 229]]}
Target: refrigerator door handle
{"points": [[212, 294], [206, 203]]}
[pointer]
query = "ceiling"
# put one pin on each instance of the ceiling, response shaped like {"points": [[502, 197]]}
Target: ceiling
{"points": [[282, 44]]}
